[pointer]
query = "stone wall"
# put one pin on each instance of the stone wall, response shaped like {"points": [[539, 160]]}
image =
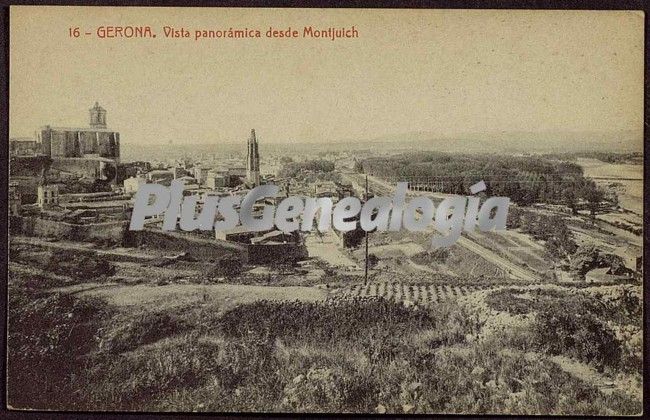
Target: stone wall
{"points": [[276, 253], [199, 248], [34, 226]]}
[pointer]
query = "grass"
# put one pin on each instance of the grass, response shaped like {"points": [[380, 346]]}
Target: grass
{"points": [[360, 356]]}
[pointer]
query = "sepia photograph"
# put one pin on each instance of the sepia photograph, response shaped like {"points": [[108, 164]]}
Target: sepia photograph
{"points": [[343, 211]]}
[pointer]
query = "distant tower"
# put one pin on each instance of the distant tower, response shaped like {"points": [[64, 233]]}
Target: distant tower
{"points": [[253, 161], [97, 116]]}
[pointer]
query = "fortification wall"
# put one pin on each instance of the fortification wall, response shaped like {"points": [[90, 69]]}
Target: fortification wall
{"points": [[88, 168]]}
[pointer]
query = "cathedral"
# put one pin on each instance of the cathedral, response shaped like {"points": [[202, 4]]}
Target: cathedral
{"points": [[93, 141], [91, 152]]}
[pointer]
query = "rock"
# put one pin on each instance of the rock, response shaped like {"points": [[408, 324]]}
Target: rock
{"points": [[381, 409], [478, 371], [414, 386]]}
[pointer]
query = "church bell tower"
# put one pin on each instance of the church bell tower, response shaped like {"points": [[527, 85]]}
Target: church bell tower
{"points": [[253, 161], [97, 116]]}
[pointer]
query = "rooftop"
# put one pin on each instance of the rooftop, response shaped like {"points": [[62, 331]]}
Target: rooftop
{"points": [[93, 129]]}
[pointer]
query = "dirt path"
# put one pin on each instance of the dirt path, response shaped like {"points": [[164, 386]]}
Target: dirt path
{"points": [[171, 295], [125, 254], [326, 248], [421, 267]]}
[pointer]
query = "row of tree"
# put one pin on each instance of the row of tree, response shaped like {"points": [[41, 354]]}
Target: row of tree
{"points": [[607, 157], [526, 180], [308, 171], [551, 229]]}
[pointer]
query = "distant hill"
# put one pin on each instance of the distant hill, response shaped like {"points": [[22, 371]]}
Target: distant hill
{"points": [[490, 142], [516, 141]]}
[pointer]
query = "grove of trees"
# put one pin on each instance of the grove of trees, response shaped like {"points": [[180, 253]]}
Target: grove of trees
{"points": [[526, 180]]}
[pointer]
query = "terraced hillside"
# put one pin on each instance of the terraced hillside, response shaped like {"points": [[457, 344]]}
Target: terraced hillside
{"points": [[422, 294]]}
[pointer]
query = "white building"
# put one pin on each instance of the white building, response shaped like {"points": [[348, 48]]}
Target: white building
{"points": [[132, 184], [15, 201], [48, 195], [201, 174]]}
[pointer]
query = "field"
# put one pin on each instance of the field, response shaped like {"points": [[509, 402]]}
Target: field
{"points": [[105, 335], [417, 294], [408, 252]]}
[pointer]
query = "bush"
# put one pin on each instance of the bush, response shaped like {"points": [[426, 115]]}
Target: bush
{"points": [[134, 331], [565, 323], [579, 335], [80, 267], [146, 378], [227, 266], [48, 339], [361, 356]]}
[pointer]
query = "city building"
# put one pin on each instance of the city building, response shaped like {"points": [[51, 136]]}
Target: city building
{"points": [[23, 146], [91, 152], [189, 183], [215, 179], [179, 172], [15, 201], [48, 195], [200, 174], [160, 176], [132, 184], [237, 171], [93, 141]]}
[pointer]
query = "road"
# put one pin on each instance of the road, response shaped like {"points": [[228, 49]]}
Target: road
{"points": [[123, 254], [325, 247], [381, 187]]}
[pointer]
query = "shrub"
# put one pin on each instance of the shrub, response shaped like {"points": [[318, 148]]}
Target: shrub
{"points": [[565, 323], [361, 356], [80, 267], [582, 336], [227, 266], [48, 339], [128, 333], [145, 378], [437, 255]]}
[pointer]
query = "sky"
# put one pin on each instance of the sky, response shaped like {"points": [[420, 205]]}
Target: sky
{"points": [[444, 72]]}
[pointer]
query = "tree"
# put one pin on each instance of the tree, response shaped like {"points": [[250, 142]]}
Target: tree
{"points": [[585, 259], [570, 198], [561, 247], [358, 166], [594, 196]]}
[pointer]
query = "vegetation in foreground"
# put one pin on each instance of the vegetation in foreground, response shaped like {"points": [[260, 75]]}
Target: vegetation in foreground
{"points": [[367, 355]]}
